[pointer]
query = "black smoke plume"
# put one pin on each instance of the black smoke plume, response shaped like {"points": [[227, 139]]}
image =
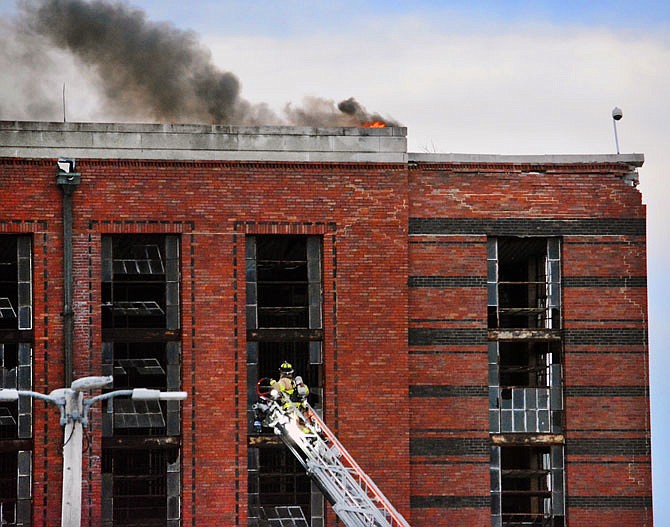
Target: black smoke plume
{"points": [[153, 70]]}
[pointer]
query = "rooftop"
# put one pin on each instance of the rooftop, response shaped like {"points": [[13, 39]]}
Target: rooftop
{"points": [[38, 139]]}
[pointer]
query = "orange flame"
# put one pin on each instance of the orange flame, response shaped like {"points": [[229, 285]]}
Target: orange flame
{"points": [[373, 124]]}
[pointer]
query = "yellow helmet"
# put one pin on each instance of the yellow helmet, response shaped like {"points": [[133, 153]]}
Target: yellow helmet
{"points": [[286, 368]]}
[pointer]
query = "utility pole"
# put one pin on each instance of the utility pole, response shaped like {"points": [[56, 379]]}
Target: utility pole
{"points": [[74, 409], [72, 461]]}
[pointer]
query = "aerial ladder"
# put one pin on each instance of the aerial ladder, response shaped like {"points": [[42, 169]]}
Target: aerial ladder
{"points": [[353, 495]]}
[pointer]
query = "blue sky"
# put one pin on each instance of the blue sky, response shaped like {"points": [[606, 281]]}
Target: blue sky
{"points": [[302, 16], [477, 77]]}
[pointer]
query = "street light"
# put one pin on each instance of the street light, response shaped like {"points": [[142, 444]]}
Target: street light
{"points": [[74, 410]]}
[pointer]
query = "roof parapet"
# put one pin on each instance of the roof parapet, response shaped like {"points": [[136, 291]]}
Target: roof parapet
{"points": [[35, 139], [633, 160]]}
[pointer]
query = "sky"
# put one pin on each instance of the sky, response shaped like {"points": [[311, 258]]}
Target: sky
{"points": [[505, 77]]}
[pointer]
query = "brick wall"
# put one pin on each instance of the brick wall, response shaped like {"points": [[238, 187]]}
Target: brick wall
{"points": [[405, 329], [361, 212], [453, 208]]}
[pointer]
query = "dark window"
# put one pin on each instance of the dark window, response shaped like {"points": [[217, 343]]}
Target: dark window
{"points": [[140, 485], [16, 341], [140, 282], [15, 282], [524, 283], [138, 365], [9, 410], [526, 390], [272, 354], [281, 263], [528, 364], [8, 497], [528, 482], [284, 322], [141, 349], [282, 479]]}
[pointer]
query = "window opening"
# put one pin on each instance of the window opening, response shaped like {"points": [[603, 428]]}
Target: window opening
{"points": [[272, 354], [138, 365], [284, 304], [524, 283], [141, 485], [282, 478], [282, 284], [8, 282], [10, 378], [7, 309], [16, 341], [528, 486], [8, 496], [525, 386], [140, 286], [141, 259], [141, 348], [15, 282]]}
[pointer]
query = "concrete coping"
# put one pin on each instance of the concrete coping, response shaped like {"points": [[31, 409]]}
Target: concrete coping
{"points": [[42, 139], [633, 160], [37, 139], [176, 128]]}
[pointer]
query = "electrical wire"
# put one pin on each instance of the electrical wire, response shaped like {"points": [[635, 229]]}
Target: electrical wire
{"points": [[68, 439]]}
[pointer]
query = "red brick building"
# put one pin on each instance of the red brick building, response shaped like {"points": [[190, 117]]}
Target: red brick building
{"points": [[474, 328]]}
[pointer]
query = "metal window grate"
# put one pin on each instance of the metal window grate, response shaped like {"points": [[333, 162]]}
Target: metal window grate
{"points": [[140, 366], [288, 517], [6, 417], [147, 260], [138, 308], [137, 414], [6, 308]]}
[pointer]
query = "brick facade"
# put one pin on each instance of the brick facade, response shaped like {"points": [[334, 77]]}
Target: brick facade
{"points": [[405, 335], [601, 221]]}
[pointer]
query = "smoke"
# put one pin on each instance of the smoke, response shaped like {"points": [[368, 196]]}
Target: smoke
{"points": [[141, 69], [354, 109]]}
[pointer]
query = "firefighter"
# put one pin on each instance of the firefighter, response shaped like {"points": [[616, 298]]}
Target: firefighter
{"points": [[296, 390], [285, 384], [301, 393]]}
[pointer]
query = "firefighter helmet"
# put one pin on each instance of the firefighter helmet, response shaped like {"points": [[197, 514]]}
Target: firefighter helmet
{"points": [[286, 368]]}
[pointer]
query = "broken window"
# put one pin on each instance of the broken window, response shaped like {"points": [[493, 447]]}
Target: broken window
{"points": [[140, 282], [141, 349], [16, 344], [16, 283], [527, 486], [282, 478], [524, 283], [282, 282], [525, 381], [154, 365], [143, 491], [284, 323], [525, 386]]}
